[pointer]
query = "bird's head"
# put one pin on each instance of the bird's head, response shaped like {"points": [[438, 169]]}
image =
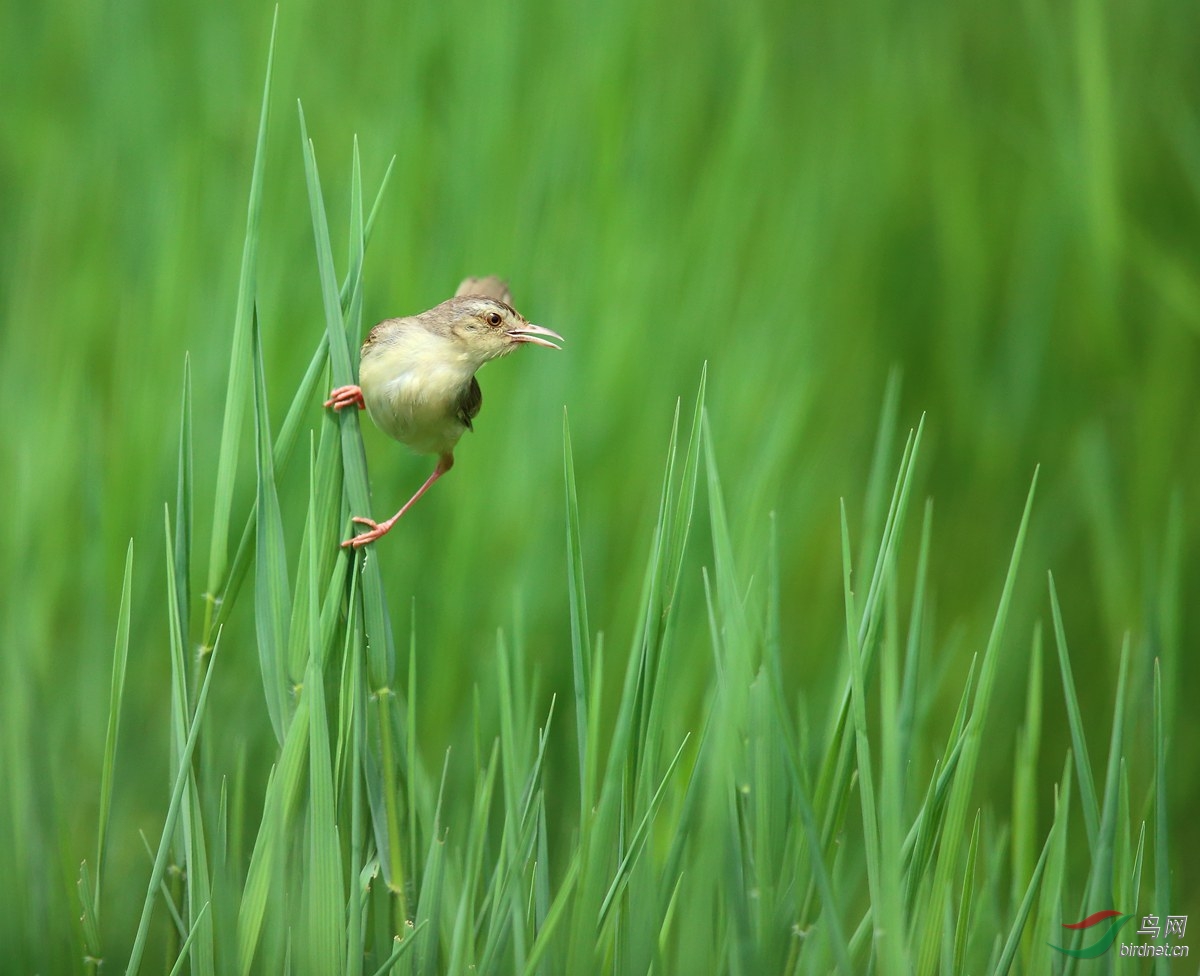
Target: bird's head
{"points": [[487, 328]]}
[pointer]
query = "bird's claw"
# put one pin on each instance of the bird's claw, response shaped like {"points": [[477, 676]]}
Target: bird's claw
{"points": [[375, 531], [346, 396]]}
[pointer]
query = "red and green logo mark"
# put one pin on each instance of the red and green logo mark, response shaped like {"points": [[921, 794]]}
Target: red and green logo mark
{"points": [[1102, 944]]}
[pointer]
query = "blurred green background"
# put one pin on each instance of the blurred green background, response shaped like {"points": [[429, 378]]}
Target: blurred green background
{"points": [[1002, 203]]}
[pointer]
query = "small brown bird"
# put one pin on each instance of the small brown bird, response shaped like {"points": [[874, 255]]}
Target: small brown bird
{"points": [[417, 375]]}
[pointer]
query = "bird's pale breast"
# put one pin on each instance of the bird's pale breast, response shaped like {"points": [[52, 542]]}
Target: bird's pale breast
{"points": [[411, 384]]}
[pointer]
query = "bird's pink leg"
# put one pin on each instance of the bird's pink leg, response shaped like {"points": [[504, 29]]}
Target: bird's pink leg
{"points": [[379, 529], [345, 396]]}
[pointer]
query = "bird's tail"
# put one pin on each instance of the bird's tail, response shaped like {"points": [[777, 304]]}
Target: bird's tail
{"points": [[488, 286]]}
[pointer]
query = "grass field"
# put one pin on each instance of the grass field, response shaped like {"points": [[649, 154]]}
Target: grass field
{"points": [[823, 606]]}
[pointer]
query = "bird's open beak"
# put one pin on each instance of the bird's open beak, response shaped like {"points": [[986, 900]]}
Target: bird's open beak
{"points": [[535, 334]]}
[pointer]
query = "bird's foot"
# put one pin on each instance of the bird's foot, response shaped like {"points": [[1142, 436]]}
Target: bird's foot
{"points": [[375, 531], [346, 396]]}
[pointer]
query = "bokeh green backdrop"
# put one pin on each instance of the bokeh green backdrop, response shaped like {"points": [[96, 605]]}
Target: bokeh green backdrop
{"points": [[1001, 202]]}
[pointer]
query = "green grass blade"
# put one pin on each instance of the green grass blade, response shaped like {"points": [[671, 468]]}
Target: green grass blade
{"points": [[866, 776], [889, 914], [581, 643], [734, 625], [510, 783], [194, 868], [89, 920], [637, 841], [285, 442], [1087, 786], [381, 651], [1025, 761], [906, 714], [1013, 941], [1124, 869], [605, 822], [402, 948], [283, 789], [877, 478], [946, 938], [168, 897], [116, 696], [558, 910], [357, 733], [1047, 928], [1135, 880], [411, 740], [272, 603], [238, 391], [833, 784], [672, 533], [919, 844], [181, 959], [966, 901], [956, 809], [326, 930], [631, 751], [320, 547], [197, 872], [889, 540], [832, 793], [177, 790], [1103, 866], [823, 882], [1162, 864], [199, 886], [685, 507], [343, 373], [183, 505], [430, 902], [356, 244]]}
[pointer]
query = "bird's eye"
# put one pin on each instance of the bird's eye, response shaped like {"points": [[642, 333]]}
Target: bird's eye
{"points": [[493, 318]]}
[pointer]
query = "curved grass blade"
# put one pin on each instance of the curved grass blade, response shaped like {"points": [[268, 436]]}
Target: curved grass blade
{"points": [[1087, 785], [160, 861], [115, 698], [272, 592], [960, 791], [325, 930], [183, 506], [285, 442], [581, 642], [1162, 864], [238, 391], [201, 916], [1013, 942], [381, 770], [402, 947]]}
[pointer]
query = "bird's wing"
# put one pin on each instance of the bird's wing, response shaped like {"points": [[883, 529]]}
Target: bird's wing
{"points": [[469, 402], [377, 333]]}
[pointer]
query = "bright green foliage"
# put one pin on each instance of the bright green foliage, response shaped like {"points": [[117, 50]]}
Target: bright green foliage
{"points": [[706, 851], [778, 717]]}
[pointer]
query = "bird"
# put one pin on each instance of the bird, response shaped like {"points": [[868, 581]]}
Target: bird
{"points": [[416, 376]]}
